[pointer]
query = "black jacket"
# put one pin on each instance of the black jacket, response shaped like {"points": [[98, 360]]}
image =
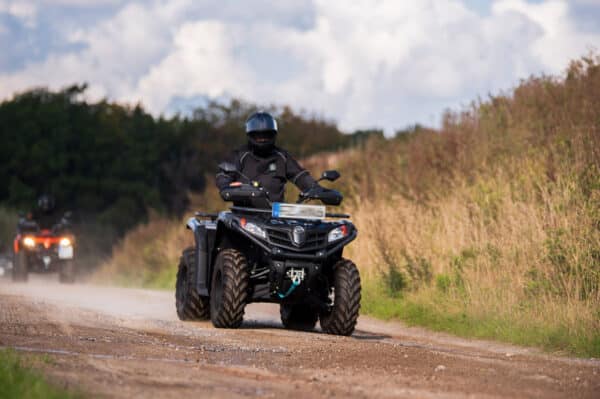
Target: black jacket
{"points": [[38, 218], [272, 171]]}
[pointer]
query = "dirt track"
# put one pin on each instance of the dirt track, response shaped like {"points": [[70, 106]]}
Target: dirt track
{"points": [[128, 343]]}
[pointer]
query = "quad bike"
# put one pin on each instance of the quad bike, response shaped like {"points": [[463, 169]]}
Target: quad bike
{"points": [[43, 251], [290, 254]]}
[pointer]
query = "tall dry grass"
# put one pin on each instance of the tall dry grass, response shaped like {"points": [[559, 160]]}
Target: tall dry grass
{"points": [[498, 214], [147, 256]]}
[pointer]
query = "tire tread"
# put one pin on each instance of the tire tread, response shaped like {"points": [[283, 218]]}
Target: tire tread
{"points": [[236, 279], [346, 307], [192, 306]]}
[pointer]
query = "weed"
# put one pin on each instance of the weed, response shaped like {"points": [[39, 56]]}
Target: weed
{"points": [[19, 380], [394, 280], [443, 282]]}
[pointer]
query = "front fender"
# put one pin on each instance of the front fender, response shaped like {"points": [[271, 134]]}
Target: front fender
{"points": [[192, 224]]}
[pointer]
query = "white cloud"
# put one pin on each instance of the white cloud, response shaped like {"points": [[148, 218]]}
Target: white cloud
{"points": [[560, 40], [22, 10], [199, 62], [365, 63]]}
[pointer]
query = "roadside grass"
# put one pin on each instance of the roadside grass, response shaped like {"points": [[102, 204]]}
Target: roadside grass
{"points": [[19, 380], [443, 314], [148, 256], [529, 275]]}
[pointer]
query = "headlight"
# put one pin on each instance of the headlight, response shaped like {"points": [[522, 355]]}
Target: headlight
{"points": [[253, 229], [337, 233], [65, 242], [29, 242]]}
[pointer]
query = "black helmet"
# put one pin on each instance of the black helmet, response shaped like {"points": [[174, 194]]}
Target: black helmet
{"points": [[46, 202], [261, 129]]}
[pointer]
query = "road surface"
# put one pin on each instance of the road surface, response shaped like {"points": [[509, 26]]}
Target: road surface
{"points": [[127, 343]]}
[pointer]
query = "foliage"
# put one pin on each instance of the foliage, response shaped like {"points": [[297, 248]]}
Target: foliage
{"points": [[18, 380], [111, 163], [148, 255], [115, 161], [8, 220]]}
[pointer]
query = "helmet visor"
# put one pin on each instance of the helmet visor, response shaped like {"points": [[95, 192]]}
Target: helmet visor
{"points": [[267, 136], [261, 124]]}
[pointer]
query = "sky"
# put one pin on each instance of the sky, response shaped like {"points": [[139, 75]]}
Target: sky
{"points": [[364, 64]]}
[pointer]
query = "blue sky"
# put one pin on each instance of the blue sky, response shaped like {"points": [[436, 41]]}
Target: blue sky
{"points": [[365, 64]]}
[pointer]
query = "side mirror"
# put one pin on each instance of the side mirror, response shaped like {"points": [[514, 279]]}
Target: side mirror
{"points": [[227, 167], [331, 175]]}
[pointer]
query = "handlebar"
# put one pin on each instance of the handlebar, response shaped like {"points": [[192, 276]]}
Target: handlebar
{"points": [[252, 194], [241, 192], [325, 195]]}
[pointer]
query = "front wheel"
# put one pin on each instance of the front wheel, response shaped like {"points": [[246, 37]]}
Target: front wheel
{"points": [[20, 270], [298, 317], [229, 289], [341, 318], [67, 272]]}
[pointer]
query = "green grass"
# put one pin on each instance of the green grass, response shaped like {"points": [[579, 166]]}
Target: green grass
{"points": [[445, 315], [161, 279], [164, 279], [19, 380]]}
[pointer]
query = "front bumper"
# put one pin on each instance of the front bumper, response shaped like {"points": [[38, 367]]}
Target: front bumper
{"points": [[319, 255]]}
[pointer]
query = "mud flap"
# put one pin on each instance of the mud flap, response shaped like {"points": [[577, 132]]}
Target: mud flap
{"points": [[201, 260]]}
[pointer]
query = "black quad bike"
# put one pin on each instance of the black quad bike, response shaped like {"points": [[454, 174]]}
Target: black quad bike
{"points": [[43, 250], [289, 254]]}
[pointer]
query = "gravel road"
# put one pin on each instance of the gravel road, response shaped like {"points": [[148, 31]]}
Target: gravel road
{"points": [[126, 343]]}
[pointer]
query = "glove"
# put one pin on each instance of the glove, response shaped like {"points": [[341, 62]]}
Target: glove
{"points": [[313, 192]]}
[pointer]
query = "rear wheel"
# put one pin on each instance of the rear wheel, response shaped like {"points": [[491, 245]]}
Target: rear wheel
{"points": [[190, 305], [341, 318], [298, 317], [229, 289], [20, 267], [67, 272]]}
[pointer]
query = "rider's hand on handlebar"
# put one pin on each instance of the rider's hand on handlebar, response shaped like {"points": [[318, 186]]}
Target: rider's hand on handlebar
{"points": [[235, 184], [311, 193]]}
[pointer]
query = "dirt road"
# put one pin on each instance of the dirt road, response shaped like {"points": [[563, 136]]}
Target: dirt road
{"points": [[114, 342]]}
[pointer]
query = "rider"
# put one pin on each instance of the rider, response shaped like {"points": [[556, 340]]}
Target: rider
{"points": [[262, 161], [45, 215]]}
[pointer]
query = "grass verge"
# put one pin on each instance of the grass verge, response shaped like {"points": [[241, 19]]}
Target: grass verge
{"points": [[19, 380], [444, 313]]}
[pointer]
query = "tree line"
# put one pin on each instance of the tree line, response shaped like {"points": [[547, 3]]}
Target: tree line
{"points": [[113, 162]]}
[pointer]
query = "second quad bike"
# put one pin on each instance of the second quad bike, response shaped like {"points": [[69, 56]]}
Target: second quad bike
{"points": [[43, 251], [290, 254]]}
